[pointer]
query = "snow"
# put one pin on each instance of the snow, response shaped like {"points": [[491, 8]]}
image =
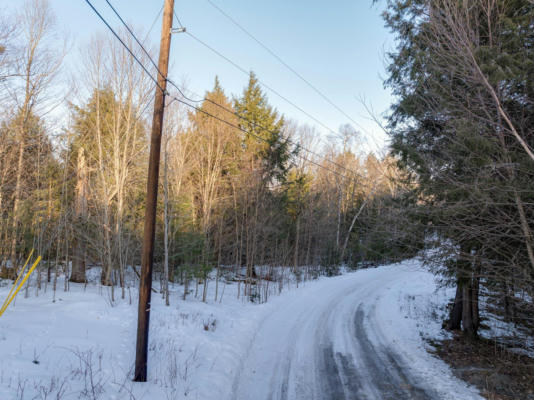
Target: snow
{"points": [[317, 326], [517, 339], [416, 298], [86, 344], [82, 346]]}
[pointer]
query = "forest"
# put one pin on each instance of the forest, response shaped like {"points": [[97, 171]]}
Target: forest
{"points": [[247, 195], [240, 186]]}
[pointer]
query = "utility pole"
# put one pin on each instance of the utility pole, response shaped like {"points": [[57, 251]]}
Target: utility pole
{"points": [[145, 286]]}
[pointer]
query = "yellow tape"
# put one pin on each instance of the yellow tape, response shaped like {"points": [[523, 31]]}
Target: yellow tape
{"points": [[15, 284], [21, 284]]}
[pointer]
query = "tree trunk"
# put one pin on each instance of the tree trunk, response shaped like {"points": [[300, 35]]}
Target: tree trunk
{"points": [[338, 218], [296, 252], [78, 260], [474, 305], [455, 318], [475, 294], [166, 224], [469, 310], [16, 200], [509, 306]]}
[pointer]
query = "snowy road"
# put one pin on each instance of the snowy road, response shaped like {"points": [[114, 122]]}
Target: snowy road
{"points": [[347, 339]]}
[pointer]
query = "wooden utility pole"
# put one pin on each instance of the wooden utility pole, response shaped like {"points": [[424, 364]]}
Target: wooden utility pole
{"points": [[145, 286]]}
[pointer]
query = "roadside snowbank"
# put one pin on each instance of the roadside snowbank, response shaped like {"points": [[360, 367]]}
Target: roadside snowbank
{"points": [[410, 316]]}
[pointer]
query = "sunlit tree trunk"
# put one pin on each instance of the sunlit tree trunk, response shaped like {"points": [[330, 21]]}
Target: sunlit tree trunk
{"points": [[80, 213]]}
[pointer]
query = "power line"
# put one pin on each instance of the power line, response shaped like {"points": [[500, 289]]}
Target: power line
{"points": [[256, 136], [122, 42], [153, 24], [211, 101], [307, 82], [178, 19], [261, 82], [174, 98], [272, 89], [271, 52], [287, 139], [128, 49], [135, 38], [149, 56]]}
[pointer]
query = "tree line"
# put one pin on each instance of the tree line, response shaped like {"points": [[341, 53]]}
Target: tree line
{"points": [[241, 186]]}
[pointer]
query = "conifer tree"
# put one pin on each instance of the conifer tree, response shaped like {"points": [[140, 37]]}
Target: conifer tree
{"points": [[264, 138], [461, 127]]}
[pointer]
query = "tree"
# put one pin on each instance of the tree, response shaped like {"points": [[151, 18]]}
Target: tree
{"points": [[264, 138], [36, 68], [26, 188], [297, 193], [264, 159], [110, 127], [460, 128], [216, 146], [80, 218]]}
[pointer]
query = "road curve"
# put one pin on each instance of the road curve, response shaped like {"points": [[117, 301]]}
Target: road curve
{"points": [[330, 342]]}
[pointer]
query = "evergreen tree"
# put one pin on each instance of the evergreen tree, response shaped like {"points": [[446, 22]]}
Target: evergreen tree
{"points": [[264, 138], [29, 225], [461, 73]]}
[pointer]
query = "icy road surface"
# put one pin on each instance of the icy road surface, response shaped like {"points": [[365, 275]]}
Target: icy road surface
{"points": [[347, 338]]}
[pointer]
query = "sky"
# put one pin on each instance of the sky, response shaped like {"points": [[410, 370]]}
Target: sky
{"points": [[338, 46]]}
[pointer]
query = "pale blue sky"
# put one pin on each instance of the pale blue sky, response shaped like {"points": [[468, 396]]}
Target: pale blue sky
{"points": [[338, 46]]}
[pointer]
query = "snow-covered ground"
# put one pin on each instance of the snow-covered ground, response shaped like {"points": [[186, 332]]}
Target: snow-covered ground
{"points": [[81, 346], [357, 336]]}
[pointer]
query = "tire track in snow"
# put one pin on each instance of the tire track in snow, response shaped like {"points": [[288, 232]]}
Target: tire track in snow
{"points": [[325, 341], [386, 373]]}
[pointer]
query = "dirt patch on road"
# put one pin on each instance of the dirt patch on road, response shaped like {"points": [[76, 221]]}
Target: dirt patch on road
{"points": [[499, 373]]}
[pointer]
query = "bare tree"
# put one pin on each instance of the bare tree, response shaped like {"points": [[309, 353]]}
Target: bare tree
{"points": [[114, 136], [36, 68]]}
